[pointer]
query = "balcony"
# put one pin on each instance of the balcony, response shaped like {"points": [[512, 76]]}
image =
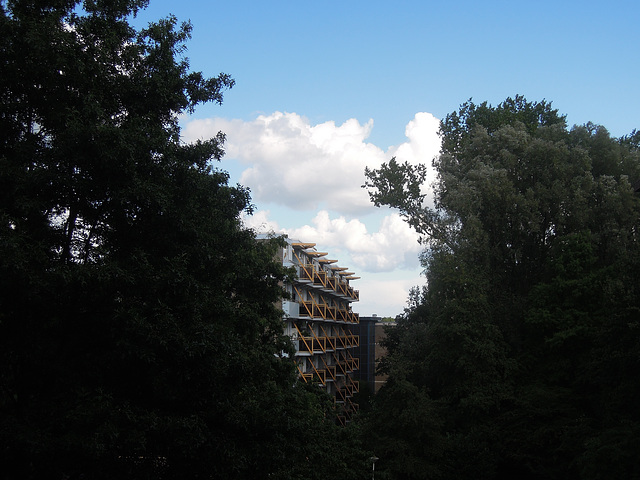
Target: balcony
{"points": [[352, 317], [355, 386], [305, 345], [341, 369], [320, 344], [312, 374], [321, 375], [320, 278], [343, 289], [312, 309], [350, 389], [305, 272], [332, 372]]}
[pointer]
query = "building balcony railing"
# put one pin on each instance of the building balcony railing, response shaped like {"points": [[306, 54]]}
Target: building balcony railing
{"points": [[346, 315], [322, 310], [305, 344], [320, 278], [345, 290], [350, 389], [346, 362], [355, 363], [330, 369], [312, 374], [354, 385], [312, 309], [306, 376], [309, 342], [314, 342], [308, 272], [320, 344]]}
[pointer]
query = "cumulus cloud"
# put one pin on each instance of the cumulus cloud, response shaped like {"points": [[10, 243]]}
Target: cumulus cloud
{"points": [[290, 162], [261, 223], [384, 296], [394, 245], [424, 142], [423, 146], [314, 173]]}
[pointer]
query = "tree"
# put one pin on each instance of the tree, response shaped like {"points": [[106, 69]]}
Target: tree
{"points": [[531, 245], [139, 334]]}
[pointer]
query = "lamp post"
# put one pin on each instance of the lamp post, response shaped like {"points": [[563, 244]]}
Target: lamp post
{"points": [[373, 467]]}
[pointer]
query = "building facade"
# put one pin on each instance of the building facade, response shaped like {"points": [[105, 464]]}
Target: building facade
{"points": [[379, 351], [318, 316], [371, 332], [365, 352]]}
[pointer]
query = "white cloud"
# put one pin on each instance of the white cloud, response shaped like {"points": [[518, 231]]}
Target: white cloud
{"points": [[424, 142], [301, 170], [260, 222], [423, 146], [384, 296], [301, 166], [293, 163], [386, 260], [394, 245]]}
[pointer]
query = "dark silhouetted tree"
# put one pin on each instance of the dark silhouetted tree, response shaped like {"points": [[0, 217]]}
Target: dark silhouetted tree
{"points": [[523, 346], [139, 332]]}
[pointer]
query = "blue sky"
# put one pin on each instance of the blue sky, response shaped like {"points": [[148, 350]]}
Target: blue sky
{"points": [[326, 88]]}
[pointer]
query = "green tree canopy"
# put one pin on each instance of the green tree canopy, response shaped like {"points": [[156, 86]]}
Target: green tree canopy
{"points": [[524, 341], [139, 332]]}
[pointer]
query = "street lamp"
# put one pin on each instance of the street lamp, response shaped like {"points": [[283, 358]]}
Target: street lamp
{"points": [[373, 467]]}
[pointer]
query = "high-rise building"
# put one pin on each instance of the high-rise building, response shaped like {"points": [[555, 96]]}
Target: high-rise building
{"points": [[317, 317]]}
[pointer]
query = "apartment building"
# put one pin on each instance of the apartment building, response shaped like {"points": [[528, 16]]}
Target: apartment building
{"points": [[317, 317]]}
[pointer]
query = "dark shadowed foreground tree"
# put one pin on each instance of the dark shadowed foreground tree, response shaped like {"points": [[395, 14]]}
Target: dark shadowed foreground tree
{"points": [[138, 332], [519, 358]]}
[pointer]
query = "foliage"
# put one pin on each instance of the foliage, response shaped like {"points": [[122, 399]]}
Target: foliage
{"points": [[139, 336], [524, 342]]}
